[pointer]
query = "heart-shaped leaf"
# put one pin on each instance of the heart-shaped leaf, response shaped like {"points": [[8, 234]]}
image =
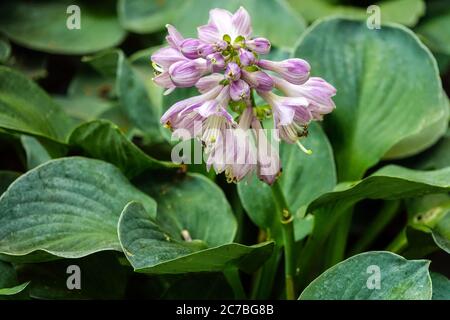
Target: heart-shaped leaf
{"points": [[152, 249], [391, 182], [191, 203], [103, 140], [376, 109], [49, 30], [67, 207], [373, 276], [422, 140], [26, 108], [304, 178]]}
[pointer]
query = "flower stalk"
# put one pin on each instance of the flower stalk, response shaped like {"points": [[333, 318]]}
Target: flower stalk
{"points": [[287, 223]]}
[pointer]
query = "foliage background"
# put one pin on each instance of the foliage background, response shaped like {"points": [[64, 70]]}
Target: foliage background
{"points": [[80, 95]]}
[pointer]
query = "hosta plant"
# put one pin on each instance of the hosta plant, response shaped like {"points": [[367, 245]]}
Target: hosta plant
{"points": [[212, 150]]}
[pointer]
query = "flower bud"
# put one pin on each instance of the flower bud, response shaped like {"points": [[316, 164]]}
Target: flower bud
{"points": [[233, 72], [215, 62], [189, 47], [205, 50], [295, 70], [221, 45], [163, 80], [167, 56], [259, 80], [246, 57], [259, 45], [239, 90], [186, 73]]}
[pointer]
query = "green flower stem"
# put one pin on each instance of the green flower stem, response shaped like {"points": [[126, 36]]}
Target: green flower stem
{"points": [[399, 243], [288, 239], [265, 276], [383, 218], [338, 239], [233, 278]]}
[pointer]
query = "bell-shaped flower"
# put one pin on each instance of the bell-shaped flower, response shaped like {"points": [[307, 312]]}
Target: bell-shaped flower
{"points": [[290, 114], [186, 73], [223, 23], [317, 91], [259, 80]]}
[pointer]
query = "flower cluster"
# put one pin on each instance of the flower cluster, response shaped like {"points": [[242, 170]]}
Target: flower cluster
{"points": [[224, 64]]}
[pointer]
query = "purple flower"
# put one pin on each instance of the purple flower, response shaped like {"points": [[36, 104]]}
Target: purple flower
{"points": [[161, 61], [268, 158], [239, 90], [224, 65], [205, 50], [235, 153], [259, 80], [216, 62], [165, 57], [233, 71], [246, 57], [209, 34], [216, 117], [317, 91], [177, 115], [209, 82], [174, 38], [190, 48], [242, 23], [295, 71], [290, 114], [222, 22], [259, 45], [186, 73], [163, 80]]}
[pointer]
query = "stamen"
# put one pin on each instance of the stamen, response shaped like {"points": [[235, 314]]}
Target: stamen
{"points": [[302, 147], [213, 126], [157, 67]]}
